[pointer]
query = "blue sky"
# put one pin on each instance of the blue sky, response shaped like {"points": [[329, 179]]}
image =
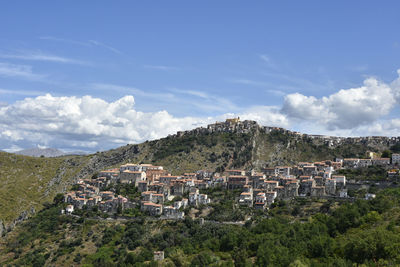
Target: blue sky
{"points": [[197, 62]]}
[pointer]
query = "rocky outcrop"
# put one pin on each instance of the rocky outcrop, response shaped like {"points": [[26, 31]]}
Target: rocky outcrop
{"points": [[2, 228], [22, 217]]}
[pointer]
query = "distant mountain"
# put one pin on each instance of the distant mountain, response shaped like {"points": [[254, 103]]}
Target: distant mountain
{"points": [[38, 152]]}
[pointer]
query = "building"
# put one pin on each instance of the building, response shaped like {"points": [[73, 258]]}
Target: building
{"points": [[271, 185], [237, 181], [395, 159], [151, 208], [343, 193], [351, 163], [257, 179], [291, 189], [196, 199], [340, 181], [132, 177], [319, 181], [393, 174], [142, 186], [246, 199], [381, 161], [69, 209], [236, 172], [173, 213], [330, 186], [369, 196], [271, 196], [305, 187], [309, 170], [168, 179], [282, 171], [158, 255], [317, 191], [365, 162], [269, 171]]}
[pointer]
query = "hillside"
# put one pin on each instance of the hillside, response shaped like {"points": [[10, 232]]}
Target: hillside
{"points": [[297, 233], [28, 182]]}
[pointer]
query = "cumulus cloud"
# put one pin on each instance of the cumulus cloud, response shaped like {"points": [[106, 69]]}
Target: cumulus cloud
{"points": [[87, 119], [266, 115], [93, 123], [395, 85], [346, 109]]}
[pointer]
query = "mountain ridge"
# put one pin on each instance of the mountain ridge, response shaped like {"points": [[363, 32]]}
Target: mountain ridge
{"points": [[47, 152]]}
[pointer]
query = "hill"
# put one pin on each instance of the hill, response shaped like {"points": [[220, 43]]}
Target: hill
{"points": [[29, 182]]}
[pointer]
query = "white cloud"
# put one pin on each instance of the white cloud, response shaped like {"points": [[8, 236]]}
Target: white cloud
{"points": [[209, 102], [12, 149], [250, 82], [266, 115], [395, 85], [39, 56], [93, 123], [89, 43], [345, 109], [21, 92], [160, 67], [85, 121], [19, 71], [276, 92], [113, 49], [51, 38], [130, 90], [268, 61]]}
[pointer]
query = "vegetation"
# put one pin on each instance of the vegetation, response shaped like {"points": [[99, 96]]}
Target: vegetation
{"points": [[335, 234], [371, 173]]}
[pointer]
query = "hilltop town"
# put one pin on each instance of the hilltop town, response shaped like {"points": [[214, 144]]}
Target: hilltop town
{"points": [[167, 196], [235, 125]]}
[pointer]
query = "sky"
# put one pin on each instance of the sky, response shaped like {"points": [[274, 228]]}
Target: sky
{"points": [[94, 75]]}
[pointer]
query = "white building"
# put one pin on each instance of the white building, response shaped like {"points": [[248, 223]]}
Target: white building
{"points": [[69, 209], [396, 159]]}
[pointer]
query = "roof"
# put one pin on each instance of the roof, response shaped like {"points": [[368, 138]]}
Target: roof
{"points": [[151, 204], [128, 171]]}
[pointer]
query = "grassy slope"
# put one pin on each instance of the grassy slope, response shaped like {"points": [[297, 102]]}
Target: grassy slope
{"points": [[25, 182]]}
